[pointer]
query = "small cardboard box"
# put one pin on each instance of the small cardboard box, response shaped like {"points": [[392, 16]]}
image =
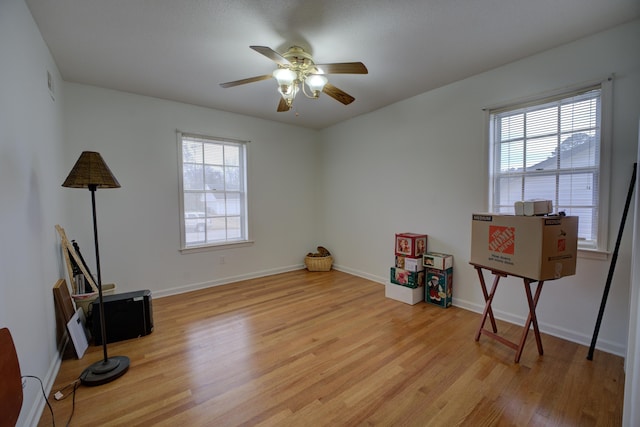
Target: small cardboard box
{"points": [[411, 244], [535, 247], [438, 260], [439, 287], [410, 279], [411, 264], [402, 293]]}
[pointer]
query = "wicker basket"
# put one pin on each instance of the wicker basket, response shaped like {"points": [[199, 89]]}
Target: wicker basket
{"points": [[318, 263]]}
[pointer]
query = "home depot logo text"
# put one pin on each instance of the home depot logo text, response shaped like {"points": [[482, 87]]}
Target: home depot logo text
{"points": [[502, 239]]}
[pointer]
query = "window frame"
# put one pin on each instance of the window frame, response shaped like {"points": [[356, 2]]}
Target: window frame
{"points": [[244, 238], [599, 248]]}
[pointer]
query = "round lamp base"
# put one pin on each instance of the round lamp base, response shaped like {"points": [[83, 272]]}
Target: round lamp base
{"points": [[103, 371]]}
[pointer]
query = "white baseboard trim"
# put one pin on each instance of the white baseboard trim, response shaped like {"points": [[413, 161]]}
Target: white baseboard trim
{"points": [[364, 275], [579, 338], [37, 408], [225, 281]]}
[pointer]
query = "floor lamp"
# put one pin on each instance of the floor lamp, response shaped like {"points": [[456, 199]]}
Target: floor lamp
{"points": [[90, 171]]}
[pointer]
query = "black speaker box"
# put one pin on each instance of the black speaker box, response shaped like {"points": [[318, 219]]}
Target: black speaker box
{"points": [[127, 315]]}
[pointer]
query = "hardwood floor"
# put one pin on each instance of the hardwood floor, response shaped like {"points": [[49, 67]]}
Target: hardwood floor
{"points": [[328, 349]]}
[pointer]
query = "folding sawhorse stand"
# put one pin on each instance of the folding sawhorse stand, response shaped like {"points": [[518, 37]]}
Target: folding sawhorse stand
{"points": [[531, 299]]}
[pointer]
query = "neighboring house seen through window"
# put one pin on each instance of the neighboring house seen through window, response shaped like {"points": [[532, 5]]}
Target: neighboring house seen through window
{"points": [[554, 149], [213, 191]]}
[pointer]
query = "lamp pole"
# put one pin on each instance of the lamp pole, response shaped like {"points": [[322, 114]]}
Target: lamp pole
{"points": [[103, 329], [90, 171]]}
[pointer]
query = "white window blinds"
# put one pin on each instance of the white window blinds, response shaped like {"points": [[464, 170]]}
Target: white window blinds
{"points": [[550, 149]]}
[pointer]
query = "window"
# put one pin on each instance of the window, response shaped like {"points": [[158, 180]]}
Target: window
{"points": [[213, 191], [554, 149]]}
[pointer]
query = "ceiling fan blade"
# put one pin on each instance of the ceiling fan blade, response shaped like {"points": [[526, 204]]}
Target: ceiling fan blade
{"points": [[338, 94], [283, 106], [245, 81], [342, 68], [272, 55]]}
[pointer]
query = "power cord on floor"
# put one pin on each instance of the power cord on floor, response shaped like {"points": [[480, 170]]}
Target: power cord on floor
{"points": [[53, 420], [61, 396]]}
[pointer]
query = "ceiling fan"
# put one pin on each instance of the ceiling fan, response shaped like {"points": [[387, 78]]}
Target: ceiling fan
{"points": [[297, 70]]}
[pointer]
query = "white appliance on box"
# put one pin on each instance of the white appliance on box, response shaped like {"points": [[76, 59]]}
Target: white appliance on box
{"points": [[533, 207]]}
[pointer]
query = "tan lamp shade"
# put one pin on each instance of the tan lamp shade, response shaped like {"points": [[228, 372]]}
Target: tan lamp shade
{"points": [[91, 170]]}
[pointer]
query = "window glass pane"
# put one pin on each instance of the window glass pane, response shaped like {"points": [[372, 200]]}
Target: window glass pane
{"points": [[213, 191], [234, 230], [542, 122], [192, 152], [579, 115], [232, 178], [194, 228], [540, 153], [194, 202], [511, 156], [511, 127], [233, 204], [214, 178], [587, 223], [579, 150], [576, 190], [540, 187], [216, 231], [213, 154], [510, 190], [210, 202], [192, 177], [232, 155], [506, 210], [219, 205]]}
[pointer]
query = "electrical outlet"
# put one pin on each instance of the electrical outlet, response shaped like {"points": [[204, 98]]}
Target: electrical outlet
{"points": [[222, 259]]}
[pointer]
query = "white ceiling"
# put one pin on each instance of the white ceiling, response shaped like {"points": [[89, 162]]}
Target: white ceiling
{"points": [[182, 49]]}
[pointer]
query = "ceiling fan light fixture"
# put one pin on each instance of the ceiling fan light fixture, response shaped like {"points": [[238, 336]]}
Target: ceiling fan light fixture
{"points": [[290, 95], [316, 83], [298, 72], [284, 76]]}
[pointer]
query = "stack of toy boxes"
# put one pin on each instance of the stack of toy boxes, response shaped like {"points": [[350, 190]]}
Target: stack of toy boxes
{"points": [[439, 272], [407, 276]]}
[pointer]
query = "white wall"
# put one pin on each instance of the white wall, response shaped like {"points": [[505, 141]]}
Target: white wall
{"points": [[421, 166], [41, 137], [631, 416], [31, 152], [139, 224]]}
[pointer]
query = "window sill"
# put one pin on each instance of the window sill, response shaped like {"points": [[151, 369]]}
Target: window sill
{"points": [[593, 254], [217, 247]]}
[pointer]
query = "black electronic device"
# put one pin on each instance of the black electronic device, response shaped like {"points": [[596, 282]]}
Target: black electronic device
{"points": [[127, 315]]}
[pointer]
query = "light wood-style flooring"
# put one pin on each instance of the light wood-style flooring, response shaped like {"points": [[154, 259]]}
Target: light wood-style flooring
{"points": [[328, 349]]}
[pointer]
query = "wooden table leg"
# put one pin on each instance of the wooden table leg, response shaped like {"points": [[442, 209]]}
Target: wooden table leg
{"points": [[533, 302], [487, 308], [487, 302]]}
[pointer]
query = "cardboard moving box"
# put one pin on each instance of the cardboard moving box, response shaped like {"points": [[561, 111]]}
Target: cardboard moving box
{"points": [[411, 244], [438, 260], [411, 264], [410, 279], [535, 247], [402, 293], [439, 287]]}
